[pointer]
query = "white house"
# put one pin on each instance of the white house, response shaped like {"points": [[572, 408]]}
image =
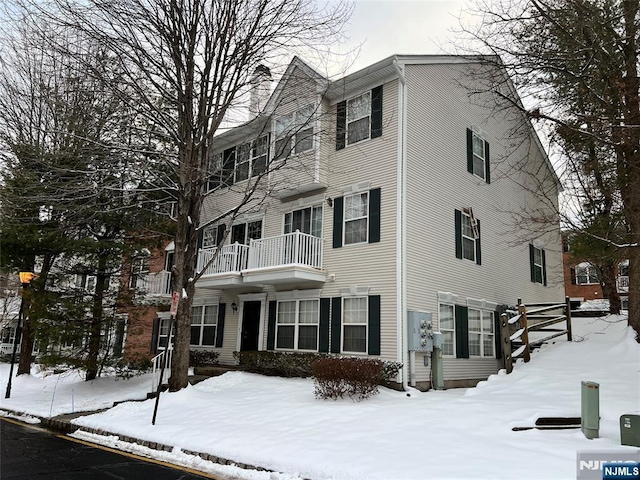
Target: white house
{"points": [[399, 193]]}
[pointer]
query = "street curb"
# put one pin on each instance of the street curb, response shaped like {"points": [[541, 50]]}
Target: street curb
{"points": [[66, 427]]}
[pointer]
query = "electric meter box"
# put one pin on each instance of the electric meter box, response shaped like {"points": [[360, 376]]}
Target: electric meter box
{"points": [[630, 429], [420, 331]]}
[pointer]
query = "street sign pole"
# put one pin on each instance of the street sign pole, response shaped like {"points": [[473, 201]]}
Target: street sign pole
{"points": [[174, 310]]}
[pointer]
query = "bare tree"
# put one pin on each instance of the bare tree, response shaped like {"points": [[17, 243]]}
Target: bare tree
{"points": [[575, 65], [189, 63]]}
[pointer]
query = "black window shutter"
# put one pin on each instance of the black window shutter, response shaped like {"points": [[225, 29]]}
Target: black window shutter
{"points": [[532, 263], [325, 307], [487, 166], [572, 272], [200, 237], [469, 150], [544, 268], [376, 112], [374, 325], [478, 251], [338, 216], [497, 331], [341, 125], [374, 215], [458, 216], [462, 332], [155, 329], [336, 323], [220, 326], [271, 333]]}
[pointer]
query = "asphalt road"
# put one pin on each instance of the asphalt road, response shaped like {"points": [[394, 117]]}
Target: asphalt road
{"points": [[28, 452]]}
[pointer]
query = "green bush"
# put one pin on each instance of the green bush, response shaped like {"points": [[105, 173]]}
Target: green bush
{"points": [[298, 364], [282, 364], [203, 358], [357, 378]]}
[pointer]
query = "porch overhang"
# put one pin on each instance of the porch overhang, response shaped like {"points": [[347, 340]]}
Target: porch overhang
{"points": [[293, 273]]}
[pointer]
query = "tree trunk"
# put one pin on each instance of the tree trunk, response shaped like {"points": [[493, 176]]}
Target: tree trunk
{"points": [[609, 289], [96, 319]]}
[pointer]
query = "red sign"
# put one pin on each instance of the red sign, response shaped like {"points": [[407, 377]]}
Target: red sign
{"points": [[175, 298]]}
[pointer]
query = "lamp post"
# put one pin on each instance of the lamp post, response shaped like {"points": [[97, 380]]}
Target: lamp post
{"points": [[25, 280]]}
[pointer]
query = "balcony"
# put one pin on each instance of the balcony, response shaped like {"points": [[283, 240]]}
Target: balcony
{"points": [[222, 270], [289, 258], [622, 284], [292, 257], [154, 283]]}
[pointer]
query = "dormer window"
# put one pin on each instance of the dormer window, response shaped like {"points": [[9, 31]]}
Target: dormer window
{"points": [[294, 132]]}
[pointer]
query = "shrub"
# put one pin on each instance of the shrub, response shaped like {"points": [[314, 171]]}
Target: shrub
{"points": [[356, 377], [282, 364], [203, 358]]}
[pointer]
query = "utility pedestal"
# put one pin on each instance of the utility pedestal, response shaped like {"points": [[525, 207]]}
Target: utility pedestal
{"points": [[590, 399]]}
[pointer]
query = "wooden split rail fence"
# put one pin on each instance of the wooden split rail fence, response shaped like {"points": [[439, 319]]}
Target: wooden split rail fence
{"points": [[515, 327]]}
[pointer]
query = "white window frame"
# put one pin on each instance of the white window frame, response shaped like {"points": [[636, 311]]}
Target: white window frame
{"points": [[537, 251], [201, 324], [295, 127], [355, 219], [482, 333], [444, 330], [345, 325], [297, 324], [467, 218], [475, 138], [590, 273], [315, 211], [351, 118], [163, 332]]}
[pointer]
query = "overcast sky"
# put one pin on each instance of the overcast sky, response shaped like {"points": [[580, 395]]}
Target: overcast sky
{"points": [[387, 27]]}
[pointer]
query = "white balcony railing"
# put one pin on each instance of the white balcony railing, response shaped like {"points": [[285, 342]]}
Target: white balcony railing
{"points": [[154, 283], [622, 282], [231, 258], [291, 248]]}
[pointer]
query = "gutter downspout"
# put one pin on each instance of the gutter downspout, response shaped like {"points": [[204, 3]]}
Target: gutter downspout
{"points": [[401, 250]]}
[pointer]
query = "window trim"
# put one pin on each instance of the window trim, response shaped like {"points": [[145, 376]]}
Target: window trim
{"points": [[312, 209], [452, 329], [367, 217], [541, 265], [218, 161], [467, 217], [483, 333], [349, 121], [302, 120], [202, 325], [343, 324], [591, 274], [296, 325], [483, 158]]}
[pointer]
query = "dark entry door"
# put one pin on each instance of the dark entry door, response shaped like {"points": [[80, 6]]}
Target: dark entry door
{"points": [[250, 326]]}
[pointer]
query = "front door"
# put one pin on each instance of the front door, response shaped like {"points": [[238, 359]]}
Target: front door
{"points": [[250, 326]]}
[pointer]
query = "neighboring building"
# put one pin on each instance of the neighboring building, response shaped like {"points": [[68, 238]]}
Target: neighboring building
{"points": [[398, 195], [581, 281]]}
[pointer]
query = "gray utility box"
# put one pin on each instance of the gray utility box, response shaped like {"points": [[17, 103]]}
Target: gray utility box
{"points": [[420, 332], [630, 429]]}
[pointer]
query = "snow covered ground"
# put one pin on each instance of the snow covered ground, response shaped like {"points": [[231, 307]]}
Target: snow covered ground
{"points": [[277, 423]]}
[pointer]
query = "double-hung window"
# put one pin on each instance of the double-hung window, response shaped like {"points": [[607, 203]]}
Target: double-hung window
{"points": [[537, 264], [139, 269], [354, 324], [358, 118], [447, 328], [356, 218], [238, 163], [481, 333], [297, 324], [204, 320], [212, 236], [467, 236], [478, 155], [306, 220], [294, 132]]}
